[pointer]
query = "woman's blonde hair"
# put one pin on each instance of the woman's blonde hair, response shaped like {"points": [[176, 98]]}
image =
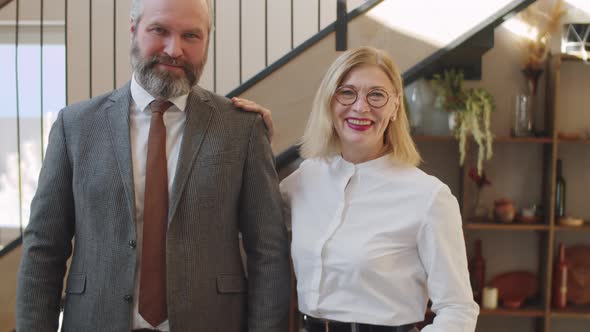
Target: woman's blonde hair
{"points": [[320, 139]]}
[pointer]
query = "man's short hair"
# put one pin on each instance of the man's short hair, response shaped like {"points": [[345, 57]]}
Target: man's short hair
{"points": [[137, 10]]}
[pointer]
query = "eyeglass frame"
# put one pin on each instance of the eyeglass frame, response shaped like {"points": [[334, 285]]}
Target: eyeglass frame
{"points": [[353, 88]]}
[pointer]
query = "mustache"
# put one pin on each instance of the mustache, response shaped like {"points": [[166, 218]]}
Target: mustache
{"points": [[189, 69]]}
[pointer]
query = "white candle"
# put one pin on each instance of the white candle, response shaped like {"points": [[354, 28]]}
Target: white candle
{"points": [[490, 298]]}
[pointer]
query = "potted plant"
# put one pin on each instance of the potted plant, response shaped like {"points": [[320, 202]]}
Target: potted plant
{"points": [[471, 110]]}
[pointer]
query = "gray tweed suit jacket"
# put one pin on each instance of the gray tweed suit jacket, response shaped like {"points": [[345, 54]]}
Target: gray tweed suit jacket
{"points": [[225, 183]]}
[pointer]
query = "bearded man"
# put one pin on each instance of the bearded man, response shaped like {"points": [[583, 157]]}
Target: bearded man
{"points": [[154, 182]]}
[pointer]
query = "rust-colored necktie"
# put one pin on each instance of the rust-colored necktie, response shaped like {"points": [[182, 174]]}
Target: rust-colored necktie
{"points": [[152, 286]]}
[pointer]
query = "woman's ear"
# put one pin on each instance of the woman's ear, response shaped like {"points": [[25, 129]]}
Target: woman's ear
{"points": [[396, 107]]}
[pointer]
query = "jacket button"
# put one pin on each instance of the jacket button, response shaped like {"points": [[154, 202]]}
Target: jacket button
{"points": [[128, 298], [132, 244]]}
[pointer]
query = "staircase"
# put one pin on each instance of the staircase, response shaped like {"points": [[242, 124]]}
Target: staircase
{"points": [[272, 51]]}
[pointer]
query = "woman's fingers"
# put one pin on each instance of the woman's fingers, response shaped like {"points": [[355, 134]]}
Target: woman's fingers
{"points": [[251, 106]]}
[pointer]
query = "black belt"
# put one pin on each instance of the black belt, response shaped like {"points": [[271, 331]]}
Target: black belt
{"points": [[145, 330], [313, 324]]}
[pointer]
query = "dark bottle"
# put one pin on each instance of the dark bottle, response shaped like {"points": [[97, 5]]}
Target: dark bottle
{"points": [[559, 192], [477, 272], [560, 280]]}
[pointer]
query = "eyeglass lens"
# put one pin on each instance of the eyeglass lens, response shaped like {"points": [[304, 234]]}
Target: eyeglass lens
{"points": [[375, 97]]}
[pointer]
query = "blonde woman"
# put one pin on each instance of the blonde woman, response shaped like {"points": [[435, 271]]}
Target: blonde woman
{"points": [[374, 237]]}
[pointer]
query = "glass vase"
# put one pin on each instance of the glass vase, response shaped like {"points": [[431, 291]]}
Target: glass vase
{"points": [[522, 116]]}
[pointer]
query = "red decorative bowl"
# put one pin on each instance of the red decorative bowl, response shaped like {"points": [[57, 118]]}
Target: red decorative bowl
{"points": [[515, 287]]}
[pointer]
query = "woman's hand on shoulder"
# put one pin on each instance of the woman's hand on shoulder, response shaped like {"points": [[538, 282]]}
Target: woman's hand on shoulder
{"points": [[251, 106]]}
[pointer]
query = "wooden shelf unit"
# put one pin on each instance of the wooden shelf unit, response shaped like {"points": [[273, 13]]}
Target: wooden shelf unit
{"points": [[584, 228], [433, 138], [537, 311], [505, 227], [581, 312], [501, 139], [574, 140], [547, 231]]}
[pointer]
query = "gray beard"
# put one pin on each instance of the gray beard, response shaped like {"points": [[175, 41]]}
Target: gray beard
{"points": [[163, 84]]}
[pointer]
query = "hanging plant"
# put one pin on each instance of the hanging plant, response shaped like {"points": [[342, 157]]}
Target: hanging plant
{"points": [[472, 108]]}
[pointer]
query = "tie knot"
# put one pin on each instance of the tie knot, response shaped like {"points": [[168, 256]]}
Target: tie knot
{"points": [[160, 106]]}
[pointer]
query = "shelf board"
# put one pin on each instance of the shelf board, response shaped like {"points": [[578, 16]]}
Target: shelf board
{"points": [[583, 228], [568, 57], [433, 138], [575, 140], [521, 312], [490, 225], [582, 311], [500, 139], [509, 139]]}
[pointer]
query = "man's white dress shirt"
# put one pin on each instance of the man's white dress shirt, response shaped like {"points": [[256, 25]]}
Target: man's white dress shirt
{"points": [[372, 242], [139, 128]]}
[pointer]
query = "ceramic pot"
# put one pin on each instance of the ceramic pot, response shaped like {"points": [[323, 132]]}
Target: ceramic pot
{"points": [[504, 210]]}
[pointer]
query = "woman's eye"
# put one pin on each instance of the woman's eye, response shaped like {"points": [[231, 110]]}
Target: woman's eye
{"points": [[347, 93], [377, 95]]}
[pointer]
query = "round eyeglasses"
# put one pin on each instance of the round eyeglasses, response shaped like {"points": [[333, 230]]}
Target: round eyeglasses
{"points": [[348, 95]]}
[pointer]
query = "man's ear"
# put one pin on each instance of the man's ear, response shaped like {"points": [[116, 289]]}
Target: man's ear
{"points": [[133, 26]]}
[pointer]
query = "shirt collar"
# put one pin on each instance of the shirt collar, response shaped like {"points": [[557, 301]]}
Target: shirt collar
{"points": [[142, 98], [382, 162]]}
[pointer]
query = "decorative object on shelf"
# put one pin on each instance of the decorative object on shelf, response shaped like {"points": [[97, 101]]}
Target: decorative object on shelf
{"points": [[570, 135], [542, 26], [515, 287], [578, 281], [420, 101], [532, 76], [575, 40], [560, 272], [536, 45], [504, 210], [571, 221], [490, 298], [477, 272], [523, 119], [471, 109], [559, 191], [480, 182], [528, 215]]}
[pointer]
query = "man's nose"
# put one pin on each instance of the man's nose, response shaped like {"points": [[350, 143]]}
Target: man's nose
{"points": [[173, 47]]}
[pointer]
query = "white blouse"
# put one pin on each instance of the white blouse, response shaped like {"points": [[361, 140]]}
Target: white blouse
{"points": [[372, 242]]}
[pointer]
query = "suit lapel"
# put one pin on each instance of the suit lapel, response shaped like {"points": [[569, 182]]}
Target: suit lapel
{"points": [[118, 123], [199, 109]]}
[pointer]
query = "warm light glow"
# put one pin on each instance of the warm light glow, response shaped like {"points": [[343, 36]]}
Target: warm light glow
{"points": [[436, 22], [521, 28]]}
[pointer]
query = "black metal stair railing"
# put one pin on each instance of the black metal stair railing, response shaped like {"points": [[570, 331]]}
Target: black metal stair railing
{"points": [[36, 30], [472, 44], [462, 52]]}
